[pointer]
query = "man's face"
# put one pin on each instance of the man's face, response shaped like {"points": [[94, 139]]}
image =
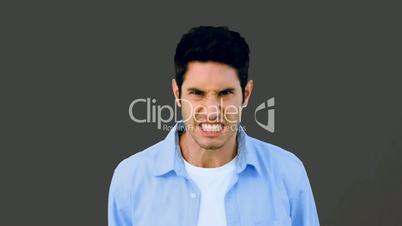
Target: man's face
{"points": [[211, 102]]}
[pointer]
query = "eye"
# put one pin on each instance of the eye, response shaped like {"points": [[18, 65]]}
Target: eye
{"points": [[196, 92], [225, 92]]}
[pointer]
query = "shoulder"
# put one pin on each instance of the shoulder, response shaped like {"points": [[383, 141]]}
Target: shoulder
{"points": [[278, 162], [274, 155], [138, 164]]}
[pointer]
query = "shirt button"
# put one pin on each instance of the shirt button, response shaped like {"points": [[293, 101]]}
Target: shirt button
{"points": [[193, 195]]}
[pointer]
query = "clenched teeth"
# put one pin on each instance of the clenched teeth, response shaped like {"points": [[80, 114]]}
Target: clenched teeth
{"points": [[211, 127]]}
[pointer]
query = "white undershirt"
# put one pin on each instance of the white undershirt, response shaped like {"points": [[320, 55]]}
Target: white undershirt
{"points": [[213, 184]]}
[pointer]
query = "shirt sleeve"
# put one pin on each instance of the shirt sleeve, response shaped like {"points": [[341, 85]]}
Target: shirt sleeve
{"points": [[119, 206], [303, 208]]}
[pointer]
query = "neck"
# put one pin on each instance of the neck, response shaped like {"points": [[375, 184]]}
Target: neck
{"points": [[207, 158]]}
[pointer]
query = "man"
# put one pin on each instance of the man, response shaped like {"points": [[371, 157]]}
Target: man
{"points": [[208, 171]]}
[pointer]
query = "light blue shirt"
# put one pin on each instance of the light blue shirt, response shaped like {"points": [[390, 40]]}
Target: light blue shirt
{"points": [[152, 188]]}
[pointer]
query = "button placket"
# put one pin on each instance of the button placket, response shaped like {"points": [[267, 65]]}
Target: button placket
{"points": [[194, 195]]}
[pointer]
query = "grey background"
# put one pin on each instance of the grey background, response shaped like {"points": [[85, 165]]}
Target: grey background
{"points": [[69, 72]]}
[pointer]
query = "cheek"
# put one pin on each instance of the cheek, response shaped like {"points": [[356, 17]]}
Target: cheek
{"points": [[232, 116], [186, 112], [187, 109], [232, 111]]}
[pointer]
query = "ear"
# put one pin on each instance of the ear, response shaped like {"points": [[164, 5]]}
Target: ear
{"points": [[176, 92], [247, 92]]}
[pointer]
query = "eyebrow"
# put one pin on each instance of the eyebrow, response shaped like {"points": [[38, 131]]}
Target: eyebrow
{"points": [[230, 89]]}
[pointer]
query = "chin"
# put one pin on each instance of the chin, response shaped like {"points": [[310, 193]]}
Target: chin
{"points": [[211, 146]]}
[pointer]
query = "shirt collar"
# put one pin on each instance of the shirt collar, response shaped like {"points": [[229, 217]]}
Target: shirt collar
{"points": [[169, 158]]}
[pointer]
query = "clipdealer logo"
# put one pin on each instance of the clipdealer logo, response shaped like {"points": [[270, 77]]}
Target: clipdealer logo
{"points": [[269, 107], [153, 112], [164, 114]]}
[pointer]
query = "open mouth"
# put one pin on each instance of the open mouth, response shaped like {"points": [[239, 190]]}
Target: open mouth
{"points": [[211, 128]]}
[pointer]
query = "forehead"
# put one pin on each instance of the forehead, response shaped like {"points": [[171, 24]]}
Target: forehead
{"points": [[210, 75]]}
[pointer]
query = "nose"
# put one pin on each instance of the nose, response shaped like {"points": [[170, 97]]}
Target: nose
{"points": [[213, 108]]}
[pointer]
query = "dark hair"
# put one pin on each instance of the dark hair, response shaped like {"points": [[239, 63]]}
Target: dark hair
{"points": [[217, 44]]}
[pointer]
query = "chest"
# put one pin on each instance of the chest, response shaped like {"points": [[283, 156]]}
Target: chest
{"points": [[177, 201]]}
